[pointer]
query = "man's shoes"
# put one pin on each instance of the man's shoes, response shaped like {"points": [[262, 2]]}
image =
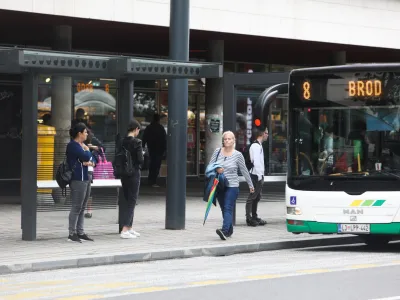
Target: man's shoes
{"points": [[252, 222], [260, 221]]}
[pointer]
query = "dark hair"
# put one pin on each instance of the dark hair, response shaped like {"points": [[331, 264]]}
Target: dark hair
{"points": [[78, 128], [80, 113], [156, 117], [133, 125], [46, 117], [89, 137], [257, 132]]}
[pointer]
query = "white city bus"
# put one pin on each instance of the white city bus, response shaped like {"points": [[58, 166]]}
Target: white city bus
{"points": [[344, 151]]}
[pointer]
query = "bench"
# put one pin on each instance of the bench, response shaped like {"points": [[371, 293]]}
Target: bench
{"points": [[46, 187], [269, 178], [97, 183], [109, 183]]}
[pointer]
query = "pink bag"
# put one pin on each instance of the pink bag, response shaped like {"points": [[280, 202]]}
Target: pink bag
{"points": [[104, 168]]}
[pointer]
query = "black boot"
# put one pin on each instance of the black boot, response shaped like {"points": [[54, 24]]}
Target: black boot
{"points": [[251, 222]]}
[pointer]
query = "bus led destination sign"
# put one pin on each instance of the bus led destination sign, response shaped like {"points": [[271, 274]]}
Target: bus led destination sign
{"points": [[316, 90], [372, 88]]}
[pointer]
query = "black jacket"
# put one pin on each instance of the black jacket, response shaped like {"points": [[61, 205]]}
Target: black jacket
{"points": [[134, 146], [155, 138]]}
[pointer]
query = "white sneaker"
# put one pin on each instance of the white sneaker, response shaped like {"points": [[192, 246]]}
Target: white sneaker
{"points": [[134, 232], [127, 235]]}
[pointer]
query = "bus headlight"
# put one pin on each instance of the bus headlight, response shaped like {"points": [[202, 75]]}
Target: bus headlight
{"points": [[293, 211]]}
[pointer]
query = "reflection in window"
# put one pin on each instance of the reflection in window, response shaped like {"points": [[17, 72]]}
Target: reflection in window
{"points": [[97, 99], [144, 107], [192, 134], [277, 163]]}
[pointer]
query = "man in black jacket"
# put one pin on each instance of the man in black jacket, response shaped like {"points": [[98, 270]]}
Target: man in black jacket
{"points": [[156, 139]]}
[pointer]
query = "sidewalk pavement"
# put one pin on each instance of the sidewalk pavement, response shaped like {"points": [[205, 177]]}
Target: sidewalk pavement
{"points": [[52, 251]]}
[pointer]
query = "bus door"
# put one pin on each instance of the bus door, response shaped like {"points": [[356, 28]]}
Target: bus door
{"points": [[272, 113]]}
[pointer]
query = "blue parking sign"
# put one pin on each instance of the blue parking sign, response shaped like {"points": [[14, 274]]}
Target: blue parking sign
{"points": [[293, 200]]}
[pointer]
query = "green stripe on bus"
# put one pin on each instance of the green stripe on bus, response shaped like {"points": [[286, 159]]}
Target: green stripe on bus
{"points": [[379, 202], [367, 203]]}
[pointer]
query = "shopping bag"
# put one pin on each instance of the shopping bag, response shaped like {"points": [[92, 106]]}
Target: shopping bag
{"points": [[104, 168]]}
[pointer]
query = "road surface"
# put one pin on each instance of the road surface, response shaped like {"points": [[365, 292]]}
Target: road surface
{"points": [[345, 272]]}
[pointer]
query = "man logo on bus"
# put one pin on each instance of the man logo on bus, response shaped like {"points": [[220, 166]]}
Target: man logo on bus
{"points": [[352, 211]]}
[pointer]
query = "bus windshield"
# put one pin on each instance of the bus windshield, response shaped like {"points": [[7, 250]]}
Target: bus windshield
{"points": [[345, 126]]}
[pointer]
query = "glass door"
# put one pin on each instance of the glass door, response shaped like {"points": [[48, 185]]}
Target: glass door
{"points": [[260, 102]]}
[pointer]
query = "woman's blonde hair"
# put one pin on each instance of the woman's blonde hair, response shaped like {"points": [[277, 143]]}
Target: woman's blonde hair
{"points": [[234, 138]]}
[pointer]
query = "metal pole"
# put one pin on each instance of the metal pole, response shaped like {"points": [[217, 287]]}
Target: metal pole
{"points": [[177, 118], [124, 116], [29, 157]]}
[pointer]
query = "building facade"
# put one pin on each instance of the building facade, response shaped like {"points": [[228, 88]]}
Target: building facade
{"points": [[259, 37]]}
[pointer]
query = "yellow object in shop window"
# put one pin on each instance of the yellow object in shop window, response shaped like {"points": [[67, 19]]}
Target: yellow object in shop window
{"points": [[45, 154]]}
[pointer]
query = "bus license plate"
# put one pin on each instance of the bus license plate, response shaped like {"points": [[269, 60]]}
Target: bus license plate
{"points": [[353, 228]]}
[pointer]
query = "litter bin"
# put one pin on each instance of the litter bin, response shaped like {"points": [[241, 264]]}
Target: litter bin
{"points": [[45, 155]]}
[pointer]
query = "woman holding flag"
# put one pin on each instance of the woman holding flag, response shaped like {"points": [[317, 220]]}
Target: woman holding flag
{"points": [[226, 161]]}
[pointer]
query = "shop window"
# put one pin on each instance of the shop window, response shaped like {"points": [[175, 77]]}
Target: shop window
{"points": [[193, 152], [194, 85], [95, 102], [147, 84], [144, 107]]}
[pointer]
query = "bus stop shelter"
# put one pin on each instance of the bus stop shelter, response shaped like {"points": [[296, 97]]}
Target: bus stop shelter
{"points": [[31, 63]]}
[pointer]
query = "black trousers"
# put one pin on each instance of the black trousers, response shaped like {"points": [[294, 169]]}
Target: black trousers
{"points": [[130, 188], [154, 167], [253, 199]]}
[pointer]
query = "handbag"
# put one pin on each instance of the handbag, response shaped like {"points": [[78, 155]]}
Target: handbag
{"points": [[104, 169]]}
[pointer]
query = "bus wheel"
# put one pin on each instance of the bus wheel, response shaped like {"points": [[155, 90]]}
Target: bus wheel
{"points": [[376, 241]]}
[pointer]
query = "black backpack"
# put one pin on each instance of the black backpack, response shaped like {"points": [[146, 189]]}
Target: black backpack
{"points": [[123, 164], [64, 176], [246, 154]]}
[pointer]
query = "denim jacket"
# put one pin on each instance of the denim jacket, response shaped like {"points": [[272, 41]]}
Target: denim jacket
{"points": [[210, 174]]}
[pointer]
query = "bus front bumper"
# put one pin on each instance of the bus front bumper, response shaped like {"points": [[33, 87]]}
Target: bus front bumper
{"points": [[299, 226]]}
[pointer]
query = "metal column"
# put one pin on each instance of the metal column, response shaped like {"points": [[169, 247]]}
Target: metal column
{"points": [[177, 118], [124, 116], [29, 157]]}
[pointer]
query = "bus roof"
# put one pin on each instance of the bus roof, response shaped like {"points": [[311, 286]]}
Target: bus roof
{"points": [[348, 68]]}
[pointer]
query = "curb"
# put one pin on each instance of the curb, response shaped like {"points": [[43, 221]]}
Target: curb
{"points": [[218, 250]]}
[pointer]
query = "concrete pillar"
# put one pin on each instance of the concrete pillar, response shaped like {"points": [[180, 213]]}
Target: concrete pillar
{"points": [[214, 101], [178, 93], [61, 99]]}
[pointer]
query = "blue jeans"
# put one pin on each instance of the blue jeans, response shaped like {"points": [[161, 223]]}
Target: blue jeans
{"points": [[227, 201]]}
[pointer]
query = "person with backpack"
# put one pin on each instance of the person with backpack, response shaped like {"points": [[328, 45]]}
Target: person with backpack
{"points": [[254, 157], [231, 160], [78, 158], [127, 165]]}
